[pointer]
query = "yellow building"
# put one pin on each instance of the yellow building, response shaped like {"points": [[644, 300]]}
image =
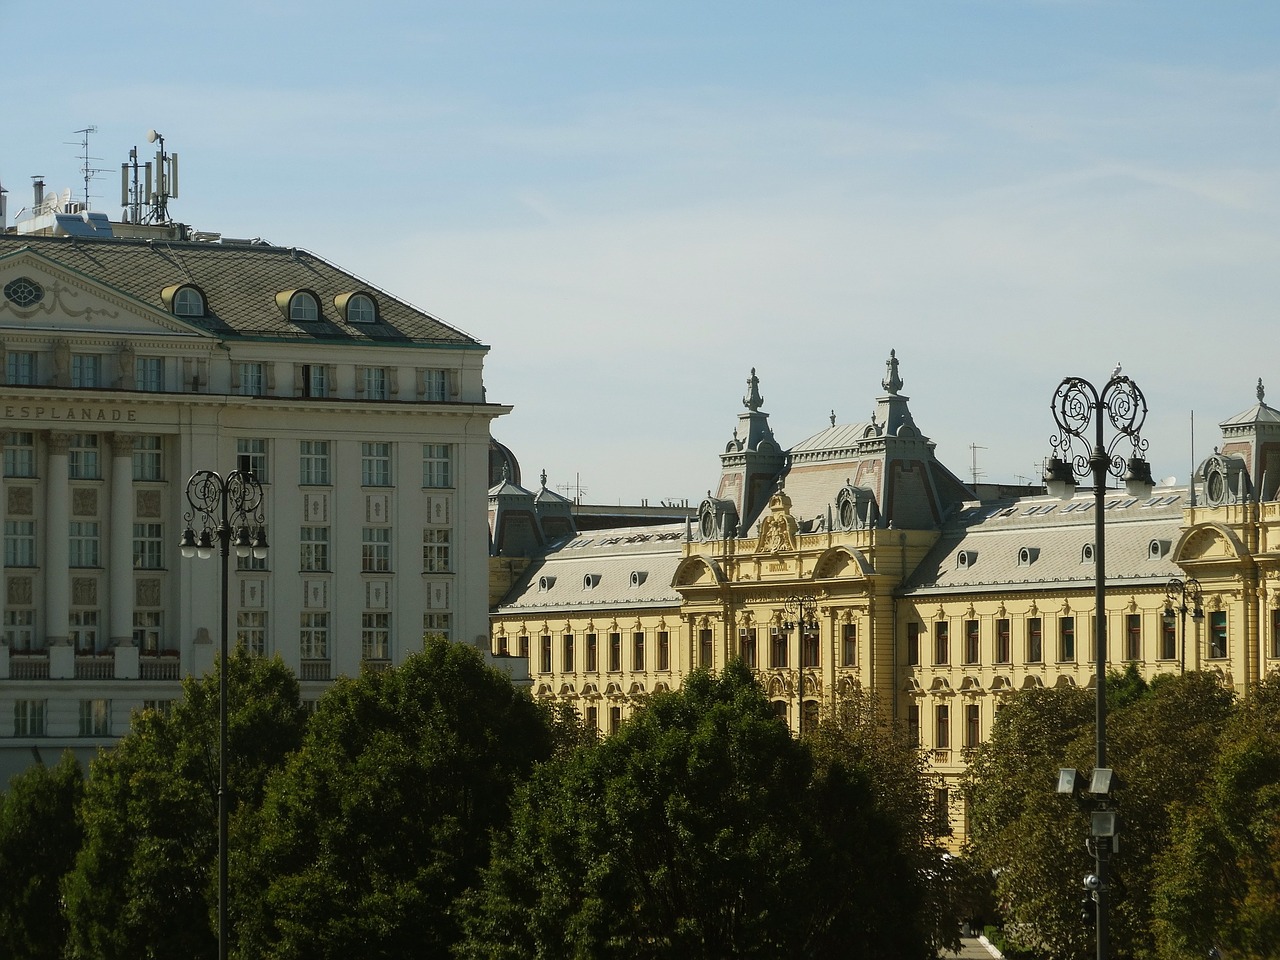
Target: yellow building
{"points": [[854, 560]]}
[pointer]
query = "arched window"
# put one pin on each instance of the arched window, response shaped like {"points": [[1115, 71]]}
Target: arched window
{"points": [[188, 302], [303, 307], [361, 309]]}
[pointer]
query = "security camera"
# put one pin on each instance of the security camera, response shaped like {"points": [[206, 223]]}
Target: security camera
{"points": [[1091, 882]]}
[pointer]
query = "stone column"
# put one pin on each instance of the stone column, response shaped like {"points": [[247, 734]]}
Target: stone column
{"points": [[120, 557], [57, 531]]}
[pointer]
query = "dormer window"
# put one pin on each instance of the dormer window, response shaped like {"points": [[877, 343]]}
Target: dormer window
{"points": [[361, 309], [1086, 555], [590, 581], [965, 559], [1157, 549], [188, 302], [303, 307], [638, 577], [1027, 556], [545, 584]]}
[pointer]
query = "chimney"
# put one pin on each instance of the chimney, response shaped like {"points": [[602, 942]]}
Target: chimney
{"points": [[37, 186]]}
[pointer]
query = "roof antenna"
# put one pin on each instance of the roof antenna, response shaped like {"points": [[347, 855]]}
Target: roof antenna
{"points": [[87, 171]]}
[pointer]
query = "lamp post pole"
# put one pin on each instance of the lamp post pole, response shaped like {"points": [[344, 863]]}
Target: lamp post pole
{"points": [[1076, 406], [227, 509], [802, 614], [1184, 590]]}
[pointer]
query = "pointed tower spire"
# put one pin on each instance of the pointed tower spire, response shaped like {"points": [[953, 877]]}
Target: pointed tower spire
{"points": [[892, 382], [753, 401], [543, 478]]}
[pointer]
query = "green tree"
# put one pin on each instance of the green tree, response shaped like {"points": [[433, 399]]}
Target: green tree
{"points": [[39, 837], [145, 880], [1218, 884], [1161, 742], [701, 829], [384, 816]]}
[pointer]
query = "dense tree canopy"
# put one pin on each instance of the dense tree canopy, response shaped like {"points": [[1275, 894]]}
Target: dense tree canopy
{"points": [[701, 829], [383, 816], [39, 837], [145, 880], [1162, 741]]}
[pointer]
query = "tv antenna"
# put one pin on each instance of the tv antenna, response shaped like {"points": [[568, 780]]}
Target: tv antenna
{"points": [[86, 170], [973, 462]]}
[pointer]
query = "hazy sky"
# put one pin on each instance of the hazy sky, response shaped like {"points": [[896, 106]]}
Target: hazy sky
{"points": [[635, 203]]}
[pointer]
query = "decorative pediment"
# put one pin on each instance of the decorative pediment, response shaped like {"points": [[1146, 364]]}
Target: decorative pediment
{"points": [[697, 572], [1208, 542], [778, 529], [842, 562]]}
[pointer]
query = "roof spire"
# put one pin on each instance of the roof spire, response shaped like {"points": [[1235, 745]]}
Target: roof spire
{"points": [[892, 382], [753, 401], [1262, 391], [543, 478]]}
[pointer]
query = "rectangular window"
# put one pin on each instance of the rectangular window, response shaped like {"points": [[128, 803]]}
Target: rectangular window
{"points": [[436, 556], [251, 457], [913, 723], [148, 463], [615, 652], [849, 646], [664, 650], [593, 662], [82, 458], [777, 648], [810, 648], [19, 454], [253, 380], [83, 550], [566, 659], [313, 636], [375, 464], [706, 648], [375, 383], [942, 811], [313, 463], [148, 546], [545, 650], [315, 380], [972, 725], [20, 368], [942, 726], [1004, 648], [437, 465], [86, 370], [523, 647], [19, 630], [314, 544], [615, 719], [1275, 634], [593, 720], [251, 631], [1169, 638], [19, 543], [375, 550], [375, 636], [747, 646], [913, 644], [1035, 640], [1218, 635], [1133, 637], [28, 718], [436, 625], [971, 641], [435, 385], [941, 642], [83, 631], [637, 651], [1066, 639], [95, 718], [147, 631], [148, 374]]}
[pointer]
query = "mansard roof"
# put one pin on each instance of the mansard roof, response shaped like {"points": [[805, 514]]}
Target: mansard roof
{"points": [[1033, 541], [241, 284]]}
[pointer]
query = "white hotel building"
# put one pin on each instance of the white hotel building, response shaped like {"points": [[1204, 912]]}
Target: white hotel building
{"points": [[130, 362]]}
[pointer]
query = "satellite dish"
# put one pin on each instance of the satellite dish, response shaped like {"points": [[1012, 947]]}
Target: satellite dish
{"points": [[51, 202], [66, 198], [1168, 481], [152, 136]]}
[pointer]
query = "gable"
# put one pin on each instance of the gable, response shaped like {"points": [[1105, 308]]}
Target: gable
{"points": [[74, 304]]}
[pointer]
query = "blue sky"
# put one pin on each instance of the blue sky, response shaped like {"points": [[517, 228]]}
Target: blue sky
{"points": [[634, 204]]}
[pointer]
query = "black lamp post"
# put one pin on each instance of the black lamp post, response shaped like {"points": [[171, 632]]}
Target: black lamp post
{"points": [[802, 615], [228, 509], [1076, 405], [1184, 591]]}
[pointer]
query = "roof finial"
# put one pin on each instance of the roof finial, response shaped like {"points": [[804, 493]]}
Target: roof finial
{"points": [[543, 478], [833, 418], [892, 382], [1262, 391], [753, 401]]}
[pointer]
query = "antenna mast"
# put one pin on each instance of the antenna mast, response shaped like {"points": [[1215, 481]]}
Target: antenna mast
{"points": [[973, 462], [85, 169], [159, 184]]}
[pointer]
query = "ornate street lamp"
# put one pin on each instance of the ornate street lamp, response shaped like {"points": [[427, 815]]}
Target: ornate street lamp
{"points": [[228, 509], [1076, 406], [1184, 591], [802, 616]]}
